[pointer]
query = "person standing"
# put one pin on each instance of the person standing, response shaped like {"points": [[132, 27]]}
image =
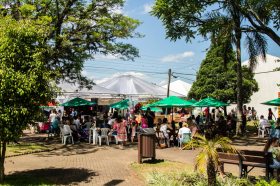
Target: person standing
{"points": [[52, 116], [134, 126], [150, 117], [270, 114], [73, 113], [144, 122], [249, 114], [254, 114], [59, 115], [120, 127]]}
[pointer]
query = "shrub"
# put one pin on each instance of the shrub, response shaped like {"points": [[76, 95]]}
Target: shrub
{"points": [[193, 179], [265, 183]]}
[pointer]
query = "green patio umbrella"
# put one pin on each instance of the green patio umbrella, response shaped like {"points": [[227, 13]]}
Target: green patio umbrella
{"points": [[154, 109], [76, 102], [209, 102], [121, 104], [274, 102], [172, 101]]}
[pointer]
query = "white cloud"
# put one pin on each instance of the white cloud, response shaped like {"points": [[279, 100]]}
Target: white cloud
{"points": [[136, 74], [148, 8], [177, 57], [106, 57]]}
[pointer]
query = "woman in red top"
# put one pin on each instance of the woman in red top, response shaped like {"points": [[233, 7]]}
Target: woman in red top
{"points": [[120, 127]]}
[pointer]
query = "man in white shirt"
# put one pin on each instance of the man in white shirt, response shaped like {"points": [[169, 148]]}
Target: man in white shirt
{"points": [[183, 130], [264, 123]]}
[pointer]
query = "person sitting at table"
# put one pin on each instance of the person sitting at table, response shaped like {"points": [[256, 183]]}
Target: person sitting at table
{"points": [[84, 130], [158, 125], [192, 127], [164, 136], [77, 122], [182, 131], [164, 127], [172, 132], [75, 131], [87, 124], [264, 124]]}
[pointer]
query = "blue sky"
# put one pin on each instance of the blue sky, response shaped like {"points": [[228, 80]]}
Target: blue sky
{"points": [[157, 54]]}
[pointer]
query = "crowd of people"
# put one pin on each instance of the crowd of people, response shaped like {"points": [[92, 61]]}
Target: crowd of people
{"points": [[126, 126]]}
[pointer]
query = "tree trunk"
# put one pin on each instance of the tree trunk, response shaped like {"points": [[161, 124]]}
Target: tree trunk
{"points": [[239, 87], [211, 172], [2, 160], [236, 16]]}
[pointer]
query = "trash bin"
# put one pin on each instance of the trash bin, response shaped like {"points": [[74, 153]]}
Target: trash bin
{"points": [[146, 144]]}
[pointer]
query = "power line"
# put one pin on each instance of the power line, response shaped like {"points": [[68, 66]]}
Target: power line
{"points": [[143, 71], [184, 74]]}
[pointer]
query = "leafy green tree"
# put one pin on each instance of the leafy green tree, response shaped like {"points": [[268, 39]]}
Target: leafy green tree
{"points": [[24, 78], [208, 155], [80, 30], [184, 19], [223, 20], [215, 79]]}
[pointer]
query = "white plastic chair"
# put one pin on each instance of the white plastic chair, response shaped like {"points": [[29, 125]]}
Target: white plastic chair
{"points": [[93, 135], [262, 131], [66, 133], [186, 137], [104, 135]]}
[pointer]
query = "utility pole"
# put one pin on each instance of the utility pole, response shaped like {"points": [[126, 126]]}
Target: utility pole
{"points": [[169, 78]]}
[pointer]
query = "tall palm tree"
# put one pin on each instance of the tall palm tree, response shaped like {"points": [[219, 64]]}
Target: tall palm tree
{"points": [[208, 155], [230, 32]]}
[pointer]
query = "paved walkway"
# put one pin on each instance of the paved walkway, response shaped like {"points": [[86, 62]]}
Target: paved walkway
{"points": [[86, 164]]}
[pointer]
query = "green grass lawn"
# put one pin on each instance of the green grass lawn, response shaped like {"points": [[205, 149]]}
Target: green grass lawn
{"points": [[24, 148]]}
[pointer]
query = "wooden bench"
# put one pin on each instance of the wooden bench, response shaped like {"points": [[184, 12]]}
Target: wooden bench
{"points": [[230, 158], [247, 158], [251, 158]]}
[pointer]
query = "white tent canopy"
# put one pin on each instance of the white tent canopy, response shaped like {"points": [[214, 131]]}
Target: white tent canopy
{"points": [[134, 86], [72, 90], [180, 87], [267, 80]]}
